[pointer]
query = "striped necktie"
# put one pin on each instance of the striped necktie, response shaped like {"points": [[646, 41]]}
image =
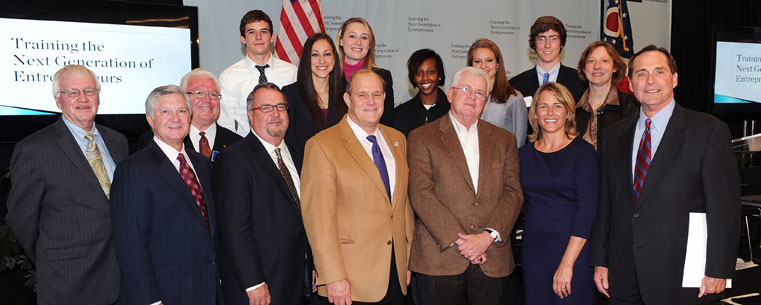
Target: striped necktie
{"points": [[262, 77], [644, 157], [96, 162]]}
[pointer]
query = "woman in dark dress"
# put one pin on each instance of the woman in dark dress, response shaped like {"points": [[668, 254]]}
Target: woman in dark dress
{"points": [[426, 72], [357, 51], [316, 98], [560, 178], [602, 104]]}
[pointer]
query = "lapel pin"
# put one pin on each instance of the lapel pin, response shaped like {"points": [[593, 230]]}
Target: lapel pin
{"points": [[396, 143]]}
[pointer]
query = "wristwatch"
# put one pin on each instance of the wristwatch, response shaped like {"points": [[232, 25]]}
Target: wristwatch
{"points": [[494, 234]]}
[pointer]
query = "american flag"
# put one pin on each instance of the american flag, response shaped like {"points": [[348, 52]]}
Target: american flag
{"points": [[617, 30], [298, 20]]}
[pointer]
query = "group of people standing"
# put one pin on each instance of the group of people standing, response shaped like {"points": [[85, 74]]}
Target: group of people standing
{"points": [[277, 184]]}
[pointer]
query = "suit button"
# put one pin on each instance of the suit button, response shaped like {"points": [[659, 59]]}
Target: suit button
{"points": [[636, 215], [472, 226], [476, 203], [388, 242]]}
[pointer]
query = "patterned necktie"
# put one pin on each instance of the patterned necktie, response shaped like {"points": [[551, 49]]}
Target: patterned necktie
{"points": [[546, 78], [262, 77], [204, 148], [644, 157], [286, 176], [96, 162], [380, 163], [189, 177]]}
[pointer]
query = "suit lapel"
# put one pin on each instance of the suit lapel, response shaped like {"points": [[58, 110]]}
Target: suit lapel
{"points": [[117, 153], [70, 147], [485, 151], [625, 155], [360, 155], [264, 160], [203, 174], [452, 143], [672, 139], [172, 177]]}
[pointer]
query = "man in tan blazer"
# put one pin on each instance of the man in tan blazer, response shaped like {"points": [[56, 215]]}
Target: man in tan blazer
{"points": [[354, 202], [465, 191]]}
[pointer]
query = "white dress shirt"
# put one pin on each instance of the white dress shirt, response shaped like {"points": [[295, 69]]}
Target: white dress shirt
{"points": [[239, 80], [553, 73], [657, 127], [469, 141], [195, 136], [388, 156]]}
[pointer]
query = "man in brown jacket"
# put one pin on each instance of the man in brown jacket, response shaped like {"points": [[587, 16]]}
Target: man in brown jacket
{"points": [[354, 202], [465, 191]]}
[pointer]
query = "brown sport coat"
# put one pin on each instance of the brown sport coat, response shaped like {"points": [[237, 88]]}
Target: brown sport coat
{"points": [[442, 194], [348, 219]]}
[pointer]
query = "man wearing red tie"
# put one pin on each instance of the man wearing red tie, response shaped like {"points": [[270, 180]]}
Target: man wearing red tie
{"points": [[657, 168], [163, 215]]}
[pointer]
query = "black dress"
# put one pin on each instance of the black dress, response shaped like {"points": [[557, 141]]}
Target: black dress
{"points": [[302, 126], [412, 114]]}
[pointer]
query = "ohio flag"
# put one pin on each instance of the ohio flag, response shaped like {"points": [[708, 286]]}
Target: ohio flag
{"points": [[617, 30]]}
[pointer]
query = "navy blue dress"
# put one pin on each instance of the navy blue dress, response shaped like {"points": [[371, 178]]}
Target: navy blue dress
{"points": [[560, 191]]}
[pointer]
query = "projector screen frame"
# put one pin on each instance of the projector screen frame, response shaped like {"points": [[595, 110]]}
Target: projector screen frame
{"points": [[731, 34], [16, 127]]}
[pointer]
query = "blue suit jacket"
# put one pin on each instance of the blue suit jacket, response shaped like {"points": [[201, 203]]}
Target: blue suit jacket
{"points": [[162, 243]]}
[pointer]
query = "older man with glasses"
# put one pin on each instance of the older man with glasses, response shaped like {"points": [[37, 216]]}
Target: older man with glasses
{"points": [[58, 205]]}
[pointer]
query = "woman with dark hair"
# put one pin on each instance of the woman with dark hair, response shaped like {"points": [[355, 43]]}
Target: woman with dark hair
{"points": [[425, 72], [560, 178], [357, 51], [505, 107], [316, 98], [602, 104]]}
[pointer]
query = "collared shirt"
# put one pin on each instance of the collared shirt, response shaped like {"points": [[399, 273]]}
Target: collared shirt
{"points": [[286, 154], [195, 136], [172, 154], [657, 127], [238, 80], [388, 156], [469, 141], [79, 136], [553, 73], [611, 99]]}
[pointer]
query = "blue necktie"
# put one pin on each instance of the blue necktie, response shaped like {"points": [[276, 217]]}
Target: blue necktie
{"points": [[380, 163], [546, 78]]}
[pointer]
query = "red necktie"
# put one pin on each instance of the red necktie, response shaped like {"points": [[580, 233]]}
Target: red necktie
{"points": [[644, 157], [189, 177], [204, 148]]}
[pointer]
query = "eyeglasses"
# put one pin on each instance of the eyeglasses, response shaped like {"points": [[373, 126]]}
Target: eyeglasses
{"points": [[74, 93], [553, 39], [266, 108], [202, 94], [469, 91]]}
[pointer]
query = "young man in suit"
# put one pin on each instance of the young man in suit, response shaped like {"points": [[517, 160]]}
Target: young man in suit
{"points": [[256, 184], [354, 202], [657, 168], [163, 213], [58, 204], [205, 135], [465, 190], [547, 37]]}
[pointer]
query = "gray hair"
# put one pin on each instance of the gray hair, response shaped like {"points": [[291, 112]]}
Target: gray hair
{"points": [[364, 71], [72, 70], [264, 85], [150, 102], [472, 71], [198, 72]]}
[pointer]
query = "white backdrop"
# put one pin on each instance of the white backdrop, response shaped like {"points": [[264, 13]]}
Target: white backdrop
{"points": [[446, 26]]}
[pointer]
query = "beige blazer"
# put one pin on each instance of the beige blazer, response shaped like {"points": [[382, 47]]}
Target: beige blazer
{"points": [[442, 194], [348, 219]]}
